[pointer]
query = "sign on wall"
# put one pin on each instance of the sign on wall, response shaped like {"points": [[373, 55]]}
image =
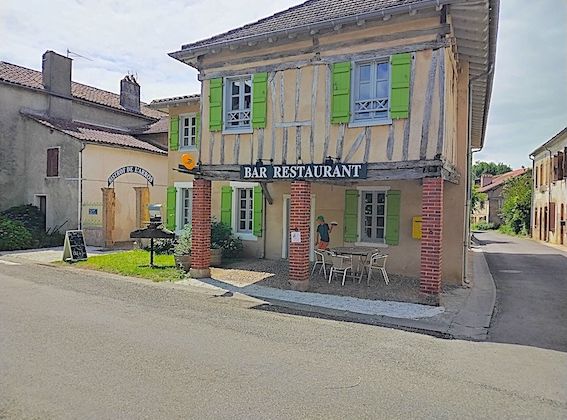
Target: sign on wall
{"points": [[307, 171], [131, 170]]}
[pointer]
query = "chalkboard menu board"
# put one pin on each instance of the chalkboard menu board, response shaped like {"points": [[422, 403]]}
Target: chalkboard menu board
{"points": [[74, 248]]}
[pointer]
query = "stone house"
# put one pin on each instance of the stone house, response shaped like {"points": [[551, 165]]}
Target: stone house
{"points": [[549, 202], [355, 110], [61, 141]]}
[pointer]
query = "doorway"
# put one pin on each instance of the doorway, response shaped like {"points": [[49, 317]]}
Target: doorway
{"points": [[286, 227], [41, 202]]}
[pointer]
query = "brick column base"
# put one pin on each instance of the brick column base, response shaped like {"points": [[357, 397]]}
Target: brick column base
{"points": [[432, 236], [300, 218], [201, 229]]}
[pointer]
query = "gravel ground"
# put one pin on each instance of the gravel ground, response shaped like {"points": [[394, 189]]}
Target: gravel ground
{"points": [[274, 273]]}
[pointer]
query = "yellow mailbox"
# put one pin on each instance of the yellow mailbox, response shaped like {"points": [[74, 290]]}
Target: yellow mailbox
{"points": [[416, 227]]}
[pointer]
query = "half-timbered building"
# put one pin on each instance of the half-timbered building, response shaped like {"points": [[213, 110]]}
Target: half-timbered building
{"points": [[362, 111]]}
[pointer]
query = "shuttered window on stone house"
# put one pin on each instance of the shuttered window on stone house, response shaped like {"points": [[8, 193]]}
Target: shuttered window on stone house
{"points": [[53, 162]]}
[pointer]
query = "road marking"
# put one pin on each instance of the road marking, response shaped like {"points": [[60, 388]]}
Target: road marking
{"points": [[9, 262], [510, 271]]}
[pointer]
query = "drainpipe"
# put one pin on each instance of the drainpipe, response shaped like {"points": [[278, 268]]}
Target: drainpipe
{"points": [[468, 187], [533, 220], [80, 200], [549, 174]]}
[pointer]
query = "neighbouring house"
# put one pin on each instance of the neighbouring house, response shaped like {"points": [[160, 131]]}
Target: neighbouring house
{"points": [[355, 110], [549, 202], [88, 158], [488, 211], [184, 124]]}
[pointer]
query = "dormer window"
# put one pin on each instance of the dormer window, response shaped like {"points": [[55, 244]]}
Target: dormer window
{"points": [[238, 100]]}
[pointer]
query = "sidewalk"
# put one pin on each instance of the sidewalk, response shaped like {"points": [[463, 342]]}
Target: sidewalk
{"points": [[48, 255], [465, 312]]}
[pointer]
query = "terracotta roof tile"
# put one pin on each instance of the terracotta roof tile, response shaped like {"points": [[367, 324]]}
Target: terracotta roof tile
{"points": [[307, 13], [500, 179], [26, 77], [96, 134]]}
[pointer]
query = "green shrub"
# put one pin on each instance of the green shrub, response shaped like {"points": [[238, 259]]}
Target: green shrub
{"points": [[14, 235], [183, 243], [162, 246], [483, 226], [222, 238], [30, 216]]}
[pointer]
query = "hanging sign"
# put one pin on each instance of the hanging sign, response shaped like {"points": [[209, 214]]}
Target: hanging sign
{"points": [[74, 248], [307, 171], [131, 170]]}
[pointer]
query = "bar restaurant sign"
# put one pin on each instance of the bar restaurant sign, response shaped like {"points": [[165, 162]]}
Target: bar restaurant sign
{"points": [[131, 170], [307, 171]]}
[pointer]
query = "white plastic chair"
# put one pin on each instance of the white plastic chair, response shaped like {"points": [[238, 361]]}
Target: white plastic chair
{"points": [[378, 262], [320, 260], [342, 264]]}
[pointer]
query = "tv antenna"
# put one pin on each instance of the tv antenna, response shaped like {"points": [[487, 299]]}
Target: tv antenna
{"points": [[69, 52]]}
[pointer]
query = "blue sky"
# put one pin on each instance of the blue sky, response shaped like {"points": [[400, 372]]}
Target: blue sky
{"points": [[529, 102]]}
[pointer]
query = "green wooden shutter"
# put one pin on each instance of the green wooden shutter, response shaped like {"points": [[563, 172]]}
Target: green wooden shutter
{"points": [[174, 133], [393, 217], [226, 205], [170, 208], [351, 216], [259, 99], [197, 128], [258, 207], [399, 87], [340, 93], [215, 104]]}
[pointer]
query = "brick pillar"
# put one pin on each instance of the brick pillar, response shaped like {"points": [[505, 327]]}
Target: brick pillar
{"points": [[300, 218], [201, 229], [432, 236]]}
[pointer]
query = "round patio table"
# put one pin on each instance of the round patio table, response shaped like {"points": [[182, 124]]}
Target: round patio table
{"points": [[360, 253]]}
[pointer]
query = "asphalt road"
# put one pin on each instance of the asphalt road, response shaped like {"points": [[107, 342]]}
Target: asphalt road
{"points": [[77, 344], [531, 291]]}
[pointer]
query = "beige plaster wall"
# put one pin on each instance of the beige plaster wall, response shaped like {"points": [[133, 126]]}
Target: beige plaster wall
{"points": [[99, 162], [174, 157]]}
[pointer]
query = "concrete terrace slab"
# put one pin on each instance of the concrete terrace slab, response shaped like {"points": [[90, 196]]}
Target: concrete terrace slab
{"points": [[48, 255], [339, 303]]}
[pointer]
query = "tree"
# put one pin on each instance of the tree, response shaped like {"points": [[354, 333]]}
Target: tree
{"points": [[477, 197], [480, 168], [516, 208]]}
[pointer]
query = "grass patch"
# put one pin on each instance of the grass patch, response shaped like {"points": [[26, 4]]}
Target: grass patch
{"points": [[136, 264], [507, 230]]}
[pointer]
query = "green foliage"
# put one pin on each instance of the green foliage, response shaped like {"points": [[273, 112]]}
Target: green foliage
{"points": [[222, 238], [477, 197], [517, 203], [482, 226], [14, 235], [492, 168], [162, 246], [183, 243], [136, 264], [30, 216]]}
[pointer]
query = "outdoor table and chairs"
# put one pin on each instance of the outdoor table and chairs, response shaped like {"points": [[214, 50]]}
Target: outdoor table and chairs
{"points": [[353, 262]]}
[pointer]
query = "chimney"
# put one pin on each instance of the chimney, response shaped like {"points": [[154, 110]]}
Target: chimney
{"points": [[130, 94], [485, 179], [56, 77]]}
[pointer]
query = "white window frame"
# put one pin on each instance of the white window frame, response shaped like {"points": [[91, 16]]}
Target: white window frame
{"points": [[179, 204], [192, 116], [227, 101], [236, 185], [360, 215], [58, 162], [354, 88]]}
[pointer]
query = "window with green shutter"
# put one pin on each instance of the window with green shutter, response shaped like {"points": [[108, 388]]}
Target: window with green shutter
{"points": [[215, 104], [258, 209], [226, 205], [259, 99], [351, 216], [399, 88], [340, 93], [393, 217], [170, 208], [174, 133]]}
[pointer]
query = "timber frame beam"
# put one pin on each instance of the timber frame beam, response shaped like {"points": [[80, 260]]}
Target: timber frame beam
{"points": [[382, 171]]}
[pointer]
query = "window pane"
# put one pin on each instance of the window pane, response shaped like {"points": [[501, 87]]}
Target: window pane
{"points": [[380, 221], [364, 73], [380, 210], [247, 86], [381, 198], [382, 89], [368, 221], [379, 233], [369, 233], [243, 193], [235, 104], [186, 131], [247, 101], [368, 198], [364, 91], [235, 88], [382, 71]]}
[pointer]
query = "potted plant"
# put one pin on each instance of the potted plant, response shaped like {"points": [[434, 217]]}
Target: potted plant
{"points": [[182, 249], [223, 243]]}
